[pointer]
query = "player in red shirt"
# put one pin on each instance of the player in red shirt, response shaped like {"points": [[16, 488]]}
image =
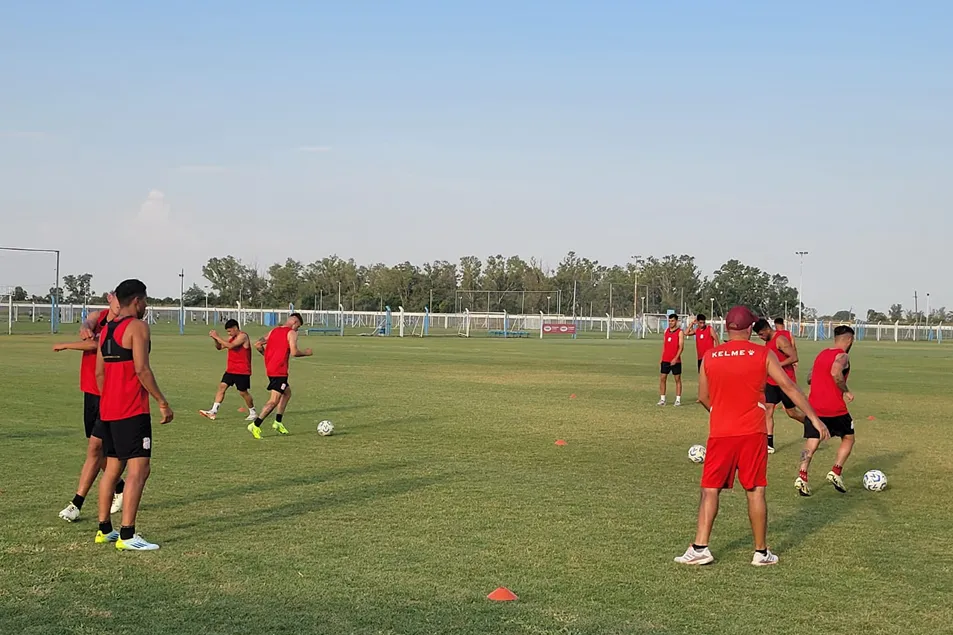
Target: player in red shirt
{"points": [[125, 380], [705, 337], [781, 346], [673, 344], [95, 456], [731, 388], [278, 347], [779, 328], [237, 369], [829, 398]]}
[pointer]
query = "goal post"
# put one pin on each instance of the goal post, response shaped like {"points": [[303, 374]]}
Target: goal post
{"points": [[28, 300]]}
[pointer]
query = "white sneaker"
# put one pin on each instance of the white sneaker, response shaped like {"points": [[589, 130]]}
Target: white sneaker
{"points": [[252, 415], [837, 481], [70, 513], [117, 504], [208, 414], [695, 557], [802, 487], [678, 402], [136, 543], [661, 402], [763, 560], [770, 449]]}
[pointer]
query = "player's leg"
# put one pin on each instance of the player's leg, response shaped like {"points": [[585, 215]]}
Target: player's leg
{"points": [[662, 383], [812, 442], [753, 476], [243, 385], [758, 516], [107, 485], [280, 411], [769, 424], [134, 447], [844, 427], [94, 463], [677, 374], [219, 398], [791, 410], [277, 386], [717, 473]]}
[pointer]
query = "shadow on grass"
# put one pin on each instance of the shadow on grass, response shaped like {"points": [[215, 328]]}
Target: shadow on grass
{"points": [[255, 517], [791, 531], [36, 433], [257, 486]]}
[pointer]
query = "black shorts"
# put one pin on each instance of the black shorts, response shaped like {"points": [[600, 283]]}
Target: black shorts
{"points": [[839, 426], [278, 384], [774, 395], [668, 367], [128, 438], [91, 415], [241, 382], [699, 365]]}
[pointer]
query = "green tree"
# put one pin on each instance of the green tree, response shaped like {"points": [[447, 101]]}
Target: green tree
{"points": [[20, 295], [875, 317], [78, 287], [285, 284], [896, 312]]}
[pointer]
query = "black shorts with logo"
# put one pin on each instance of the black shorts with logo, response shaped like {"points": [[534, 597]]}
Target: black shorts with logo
{"points": [[91, 415], [774, 395], [278, 384], [668, 367], [839, 426], [241, 382], [128, 438]]}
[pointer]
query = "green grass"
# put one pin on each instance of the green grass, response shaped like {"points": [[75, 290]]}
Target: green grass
{"points": [[443, 482]]}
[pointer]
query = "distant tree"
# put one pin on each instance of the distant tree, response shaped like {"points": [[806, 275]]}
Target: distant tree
{"points": [[843, 316], [20, 295], [875, 317], [896, 312], [78, 288]]}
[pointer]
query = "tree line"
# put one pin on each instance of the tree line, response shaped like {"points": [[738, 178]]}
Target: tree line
{"points": [[577, 285]]}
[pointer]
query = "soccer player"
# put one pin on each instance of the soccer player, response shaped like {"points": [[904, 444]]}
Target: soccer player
{"points": [[829, 398], [773, 394], [95, 456], [731, 388], [779, 328], [237, 369], [126, 380], [278, 347], [671, 361], [705, 337]]}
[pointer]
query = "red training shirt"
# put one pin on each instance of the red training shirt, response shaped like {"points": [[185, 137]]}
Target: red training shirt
{"points": [[670, 346], [736, 373], [826, 398], [239, 359], [87, 365], [703, 340], [772, 344], [123, 394], [277, 352]]}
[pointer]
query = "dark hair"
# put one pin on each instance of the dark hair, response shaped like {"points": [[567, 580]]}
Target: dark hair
{"points": [[298, 317], [843, 329], [231, 324], [779, 321], [672, 316], [701, 316], [760, 325], [129, 290]]}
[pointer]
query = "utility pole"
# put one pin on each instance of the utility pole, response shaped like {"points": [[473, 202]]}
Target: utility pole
{"points": [[182, 302], [800, 290]]}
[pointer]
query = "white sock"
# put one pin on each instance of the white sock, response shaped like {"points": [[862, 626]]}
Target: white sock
{"points": [[252, 412], [662, 398], [678, 399], [215, 407]]}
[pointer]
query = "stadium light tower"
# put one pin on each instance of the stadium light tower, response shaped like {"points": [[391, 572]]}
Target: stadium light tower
{"points": [[635, 286], [800, 290]]}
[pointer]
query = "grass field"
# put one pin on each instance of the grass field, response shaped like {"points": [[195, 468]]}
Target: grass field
{"points": [[443, 482]]}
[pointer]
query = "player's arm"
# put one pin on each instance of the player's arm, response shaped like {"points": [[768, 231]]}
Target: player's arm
{"points": [[82, 345], [293, 345], [716, 341], [691, 327], [785, 346], [100, 370], [140, 357], [837, 372], [87, 330], [704, 397], [260, 344], [792, 390], [223, 343], [681, 346]]}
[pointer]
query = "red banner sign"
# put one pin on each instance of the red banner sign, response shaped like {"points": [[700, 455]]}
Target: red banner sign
{"points": [[559, 329]]}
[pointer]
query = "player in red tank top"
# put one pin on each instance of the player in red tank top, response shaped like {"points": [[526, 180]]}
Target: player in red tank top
{"points": [[829, 397], [731, 388], [237, 369], [278, 347], [773, 395], [780, 328], [705, 337], [95, 456], [126, 380], [673, 343]]}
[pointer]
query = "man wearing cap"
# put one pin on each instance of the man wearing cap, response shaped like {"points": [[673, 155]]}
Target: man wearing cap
{"points": [[731, 387]]}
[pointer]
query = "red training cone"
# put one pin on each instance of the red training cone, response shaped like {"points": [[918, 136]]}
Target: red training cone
{"points": [[572, 396], [560, 442], [242, 409], [871, 418], [502, 594]]}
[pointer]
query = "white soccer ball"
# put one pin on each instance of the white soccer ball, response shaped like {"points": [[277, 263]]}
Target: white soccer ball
{"points": [[875, 481], [696, 454], [325, 428]]}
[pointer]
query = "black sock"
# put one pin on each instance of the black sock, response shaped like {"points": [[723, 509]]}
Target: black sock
{"points": [[120, 485], [78, 501], [699, 547], [278, 417], [770, 440], [106, 526], [258, 421], [763, 552], [125, 533]]}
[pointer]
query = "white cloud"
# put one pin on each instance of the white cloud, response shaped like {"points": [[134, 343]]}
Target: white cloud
{"points": [[154, 211], [314, 148]]}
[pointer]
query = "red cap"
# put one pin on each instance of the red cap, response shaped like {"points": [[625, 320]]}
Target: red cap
{"points": [[739, 318]]}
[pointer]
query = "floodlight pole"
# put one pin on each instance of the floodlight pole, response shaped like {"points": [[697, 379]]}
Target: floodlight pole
{"points": [[800, 290], [182, 302]]}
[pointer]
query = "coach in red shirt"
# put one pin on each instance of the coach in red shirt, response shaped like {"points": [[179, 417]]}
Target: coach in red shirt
{"points": [[731, 387]]}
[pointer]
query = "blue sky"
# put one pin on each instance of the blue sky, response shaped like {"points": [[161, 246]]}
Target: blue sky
{"points": [[388, 131]]}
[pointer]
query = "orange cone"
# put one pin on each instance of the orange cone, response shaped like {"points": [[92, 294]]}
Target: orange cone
{"points": [[502, 594], [871, 418], [572, 396], [560, 442], [242, 409]]}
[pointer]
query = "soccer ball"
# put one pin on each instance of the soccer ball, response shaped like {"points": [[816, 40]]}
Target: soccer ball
{"points": [[875, 481], [325, 428], [696, 454]]}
